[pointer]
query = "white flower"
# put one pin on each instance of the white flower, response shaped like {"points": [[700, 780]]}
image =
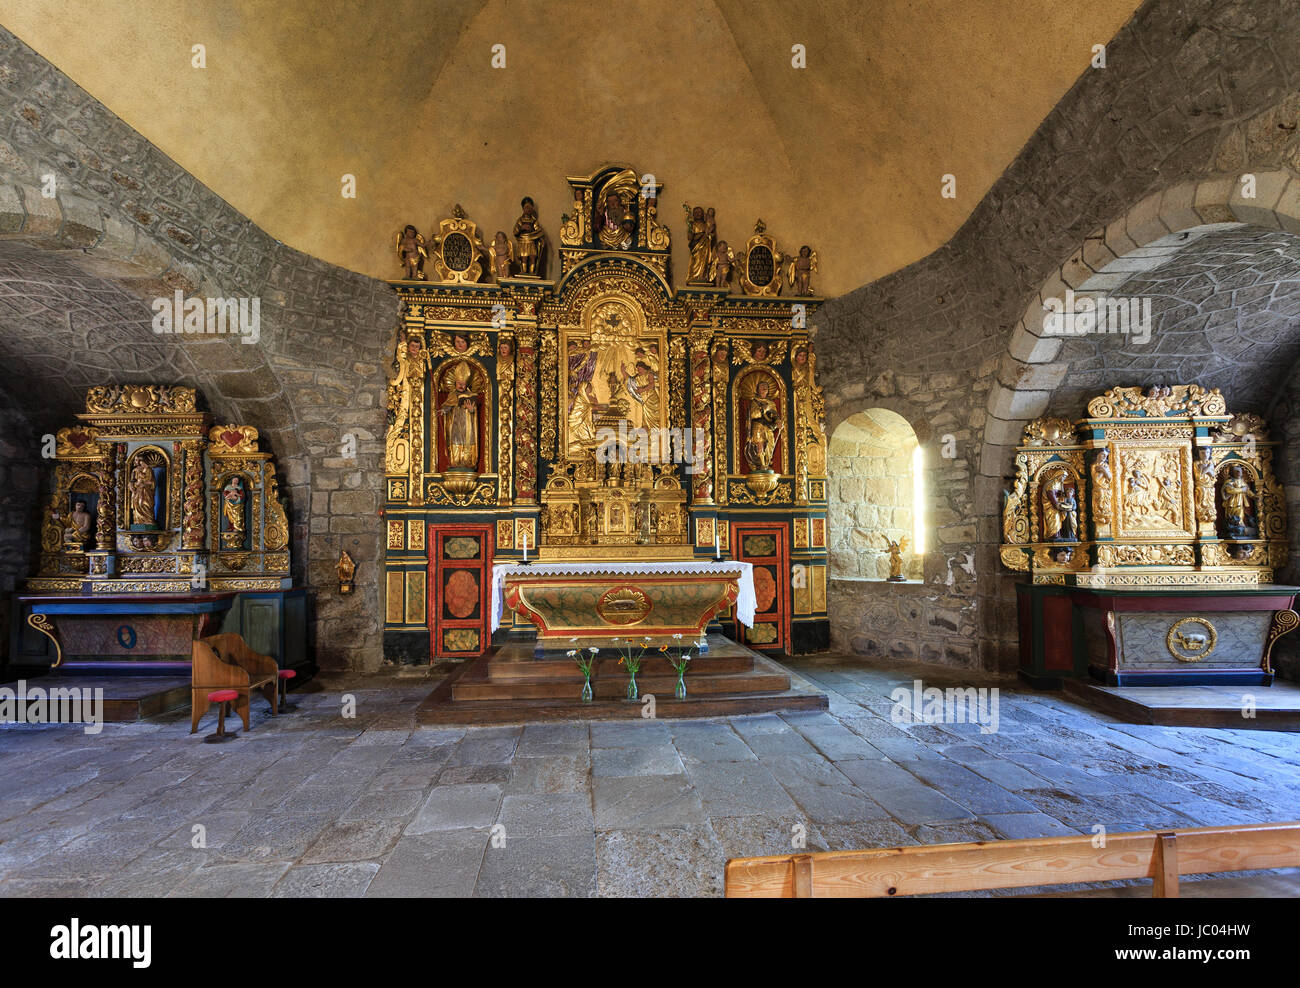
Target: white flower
{"points": [[678, 636], [593, 651], [572, 653]]}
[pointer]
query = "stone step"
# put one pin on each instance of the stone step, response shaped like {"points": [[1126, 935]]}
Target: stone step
{"points": [[501, 669], [613, 687]]}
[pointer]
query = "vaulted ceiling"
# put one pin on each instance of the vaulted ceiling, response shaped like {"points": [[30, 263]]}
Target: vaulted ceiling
{"points": [[847, 154]]}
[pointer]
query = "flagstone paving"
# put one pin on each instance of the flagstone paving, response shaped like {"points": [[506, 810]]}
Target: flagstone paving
{"points": [[317, 804]]}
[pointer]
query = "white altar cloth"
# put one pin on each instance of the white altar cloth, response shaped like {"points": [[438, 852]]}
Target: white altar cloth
{"points": [[746, 602]]}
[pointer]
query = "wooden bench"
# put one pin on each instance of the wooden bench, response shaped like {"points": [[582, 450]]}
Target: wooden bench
{"points": [[225, 662], [885, 872]]}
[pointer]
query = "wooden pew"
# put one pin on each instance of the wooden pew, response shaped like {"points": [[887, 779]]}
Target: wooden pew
{"points": [[225, 662], [925, 869]]}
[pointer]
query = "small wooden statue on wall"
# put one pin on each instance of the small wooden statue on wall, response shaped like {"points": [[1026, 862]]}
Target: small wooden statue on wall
{"points": [[896, 550], [347, 570], [531, 240]]}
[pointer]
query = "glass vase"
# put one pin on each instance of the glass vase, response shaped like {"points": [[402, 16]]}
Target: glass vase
{"points": [[680, 692], [632, 693], [586, 690]]}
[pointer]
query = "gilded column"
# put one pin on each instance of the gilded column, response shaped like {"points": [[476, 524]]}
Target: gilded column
{"points": [[415, 485], [505, 411], [701, 417], [107, 493], [721, 373], [193, 528], [550, 396], [526, 415]]}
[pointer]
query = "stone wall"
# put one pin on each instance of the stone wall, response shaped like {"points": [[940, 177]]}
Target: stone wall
{"points": [[128, 225], [905, 621], [1151, 145], [21, 492]]}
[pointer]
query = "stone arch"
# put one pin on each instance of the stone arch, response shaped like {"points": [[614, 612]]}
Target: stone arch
{"points": [[1149, 235], [127, 225]]}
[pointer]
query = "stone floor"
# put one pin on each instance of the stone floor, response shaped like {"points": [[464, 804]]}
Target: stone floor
{"points": [[316, 803]]}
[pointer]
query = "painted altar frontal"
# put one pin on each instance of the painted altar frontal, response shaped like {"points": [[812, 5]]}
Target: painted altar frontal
{"points": [[1151, 530], [601, 412]]}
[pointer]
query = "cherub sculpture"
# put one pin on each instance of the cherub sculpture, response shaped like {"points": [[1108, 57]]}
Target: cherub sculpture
{"points": [[411, 249], [502, 254], [800, 270], [720, 268]]}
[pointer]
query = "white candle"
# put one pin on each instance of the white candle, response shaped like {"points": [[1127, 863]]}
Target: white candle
{"points": [[525, 546], [717, 542]]}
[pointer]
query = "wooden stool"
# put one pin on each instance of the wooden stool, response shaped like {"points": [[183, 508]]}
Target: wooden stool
{"points": [[285, 676], [222, 697]]}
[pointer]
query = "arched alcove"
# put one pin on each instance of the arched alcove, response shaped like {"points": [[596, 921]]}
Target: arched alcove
{"points": [[874, 471]]}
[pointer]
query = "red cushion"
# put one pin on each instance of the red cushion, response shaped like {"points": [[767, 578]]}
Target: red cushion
{"points": [[287, 674], [221, 696]]}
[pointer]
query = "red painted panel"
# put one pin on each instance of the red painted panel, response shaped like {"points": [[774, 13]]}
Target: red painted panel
{"points": [[460, 578], [767, 546], [1058, 633]]}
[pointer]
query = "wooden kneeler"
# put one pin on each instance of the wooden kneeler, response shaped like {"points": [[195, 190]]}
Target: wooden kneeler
{"points": [[226, 662]]}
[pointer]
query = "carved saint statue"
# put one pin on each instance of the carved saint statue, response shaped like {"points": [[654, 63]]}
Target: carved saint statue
{"points": [[77, 532], [1238, 506], [1204, 473], [412, 361], [460, 414], [1060, 511], [411, 249], [764, 424], [617, 222], [502, 254], [1102, 482], [143, 487], [801, 269], [233, 496], [531, 239], [701, 233]]}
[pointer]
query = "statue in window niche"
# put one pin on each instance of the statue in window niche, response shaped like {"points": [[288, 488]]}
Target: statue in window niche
{"points": [[501, 252], [1060, 511], [617, 222], [531, 239], [79, 526], [1238, 504], [701, 235], [896, 550], [411, 249], [143, 489], [801, 269], [460, 416], [233, 497]]}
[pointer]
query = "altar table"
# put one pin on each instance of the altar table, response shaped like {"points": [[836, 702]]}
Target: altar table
{"points": [[603, 600]]}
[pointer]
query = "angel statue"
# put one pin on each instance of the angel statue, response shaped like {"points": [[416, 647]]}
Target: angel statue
{"points": [[410, 248], [800, 270], [896, 550], [720, 269], [763, 425], [502, 254]]}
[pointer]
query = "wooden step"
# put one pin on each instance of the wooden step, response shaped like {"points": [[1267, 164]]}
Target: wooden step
{"points": [[613, 687], [565, 669]]}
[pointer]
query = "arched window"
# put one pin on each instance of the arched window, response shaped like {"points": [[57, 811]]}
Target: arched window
{"points": [[876, 477]]}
